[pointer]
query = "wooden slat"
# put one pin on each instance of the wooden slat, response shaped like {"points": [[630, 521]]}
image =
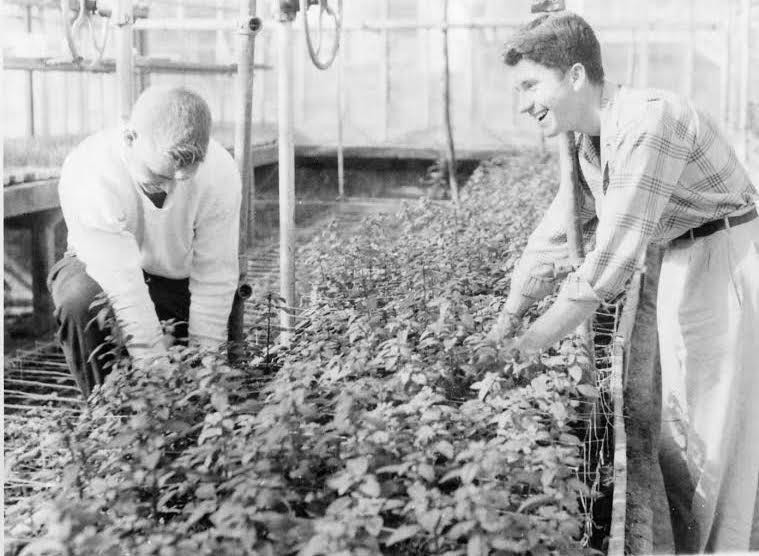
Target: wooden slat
{"points": [[388, 152], [35, 196], [27, 198], [162, 65]]}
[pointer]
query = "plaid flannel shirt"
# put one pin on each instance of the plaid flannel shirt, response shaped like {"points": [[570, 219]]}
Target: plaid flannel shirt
{"points": [[664, 168]]}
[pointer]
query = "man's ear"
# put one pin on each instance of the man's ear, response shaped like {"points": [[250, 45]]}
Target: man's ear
{"points": [[577, 76], [130, 135]]}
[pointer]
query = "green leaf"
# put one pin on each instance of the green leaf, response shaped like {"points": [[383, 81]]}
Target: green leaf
{"points": [[569, 439], [341, 483], [575, 371], [460, 529], [475, 546], [426, 471], [445, 449], [370, 487], [402, 533], [357, 467], [205, 491], [373, 525], [429, 519], [150, 459], [588, 391], [220, 401]]}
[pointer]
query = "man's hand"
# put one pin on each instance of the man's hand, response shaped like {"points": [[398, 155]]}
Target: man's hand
{"points": [[506, 326], [167, 340]]}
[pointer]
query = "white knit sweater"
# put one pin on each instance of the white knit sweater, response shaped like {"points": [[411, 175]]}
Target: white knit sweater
{"points": [[117, 232]]}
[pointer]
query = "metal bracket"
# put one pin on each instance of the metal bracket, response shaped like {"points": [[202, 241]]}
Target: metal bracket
{"points": [[288, 9], [250, 26]]}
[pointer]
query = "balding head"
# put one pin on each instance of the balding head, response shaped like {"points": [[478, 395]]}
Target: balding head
{"points": [[175, 120], [166, 137]]}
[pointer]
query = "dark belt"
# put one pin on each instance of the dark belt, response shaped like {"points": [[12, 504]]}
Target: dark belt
{"points": [[178, 283], [717, 225]]}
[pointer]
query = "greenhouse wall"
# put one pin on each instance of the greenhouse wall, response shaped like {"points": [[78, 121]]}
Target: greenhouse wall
{"points": [[393, 76]]}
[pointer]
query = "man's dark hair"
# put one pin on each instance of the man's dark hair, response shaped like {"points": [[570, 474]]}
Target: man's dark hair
{"points": [[557, 41]]}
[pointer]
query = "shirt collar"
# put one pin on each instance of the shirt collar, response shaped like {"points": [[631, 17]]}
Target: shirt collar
{"points": [[609, 101], [609, 108]]}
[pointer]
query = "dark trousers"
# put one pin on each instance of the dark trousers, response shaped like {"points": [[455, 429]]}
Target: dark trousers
{"points": [[79, 330]]}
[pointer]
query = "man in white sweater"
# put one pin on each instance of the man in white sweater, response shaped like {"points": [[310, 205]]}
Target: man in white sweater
{"points": [[152, 210]]}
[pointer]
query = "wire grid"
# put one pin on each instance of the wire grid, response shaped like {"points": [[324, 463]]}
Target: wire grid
{"points": [[598, 441]]}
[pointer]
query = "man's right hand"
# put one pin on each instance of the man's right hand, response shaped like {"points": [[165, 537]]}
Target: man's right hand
{"points": [[167, 341], [506, 326]]}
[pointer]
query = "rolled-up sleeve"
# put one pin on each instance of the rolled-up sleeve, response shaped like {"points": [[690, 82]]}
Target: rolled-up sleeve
{"points": [[647, 163], [215, 268], [99, 236], [546, 255]]}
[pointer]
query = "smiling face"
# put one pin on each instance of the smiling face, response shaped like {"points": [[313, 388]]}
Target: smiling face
{"points": [[548, 95]]}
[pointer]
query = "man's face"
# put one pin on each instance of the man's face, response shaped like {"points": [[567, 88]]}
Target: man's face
{"points": [[154, 171], [546, 95]]}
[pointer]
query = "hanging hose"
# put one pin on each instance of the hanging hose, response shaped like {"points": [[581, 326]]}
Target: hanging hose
{"points": [[324, 7], [71, 25], [85, 10], [104, 34]]}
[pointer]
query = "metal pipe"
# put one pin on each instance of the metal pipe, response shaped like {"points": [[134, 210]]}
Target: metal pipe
{"points": [[123, 21], [29, 83], [450, 153], [340, 121], [644, 42], [384, 75], [745, 84], [158, 65], [286, 174], [213, 24], [724, 90], [690, 53], [247, 27]]}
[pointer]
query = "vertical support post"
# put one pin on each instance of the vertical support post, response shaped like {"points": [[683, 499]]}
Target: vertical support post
{"points": [[143, 74], [631, 63], [286, 174], [104, 122], [385, 71], [243, 156], [724, 90], [219, 45], [29, 83], [450, 152], [745, 84], [301, 100], [644, 51], [690, 52], [341, 119], [65, 92], [471, 79], [42, 258], [427, 95], [123, 19]]}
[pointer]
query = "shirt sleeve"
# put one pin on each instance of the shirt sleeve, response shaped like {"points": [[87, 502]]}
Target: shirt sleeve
{"points": [[650, 156], [97, 230], [215, 269], [546, 256]]}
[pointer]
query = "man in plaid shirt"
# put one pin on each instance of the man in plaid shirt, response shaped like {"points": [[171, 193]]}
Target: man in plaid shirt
{"points": [[654, 168]]}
